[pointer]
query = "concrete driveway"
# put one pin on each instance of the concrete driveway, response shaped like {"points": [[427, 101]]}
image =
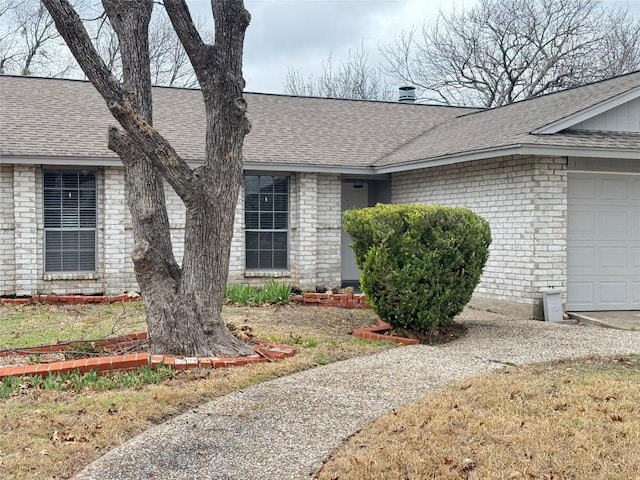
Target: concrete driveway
{"points": [[622, 320]]}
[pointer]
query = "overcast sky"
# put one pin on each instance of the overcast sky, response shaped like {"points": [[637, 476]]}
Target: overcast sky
{"points": [[301, 33]]}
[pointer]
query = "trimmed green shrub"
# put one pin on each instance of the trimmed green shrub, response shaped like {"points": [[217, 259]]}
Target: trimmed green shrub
{"points": [[420, 264]]}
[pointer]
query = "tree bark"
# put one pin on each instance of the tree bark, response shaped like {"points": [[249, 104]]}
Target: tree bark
{"points": [[183, 304]]}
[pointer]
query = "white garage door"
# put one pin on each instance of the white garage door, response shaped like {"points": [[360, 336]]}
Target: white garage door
{"points": [[603, 242]]}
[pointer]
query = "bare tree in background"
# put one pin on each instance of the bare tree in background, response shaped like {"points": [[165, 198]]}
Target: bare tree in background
{"points": [[353, 79], [502, 51], [169, 62], [29, 42], [31, 45], [183, 303]]}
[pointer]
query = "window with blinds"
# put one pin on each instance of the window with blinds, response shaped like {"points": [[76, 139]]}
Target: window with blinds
{"points": [[266, 222], [70, 220]]}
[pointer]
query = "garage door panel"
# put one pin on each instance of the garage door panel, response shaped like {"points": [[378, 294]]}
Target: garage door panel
{"points": [[613, 188], [603, 242], [614, 260], [582, 258], [582, 222], [581, 292], [634, 292], [612, 293], [612, 224], [582, 188]]}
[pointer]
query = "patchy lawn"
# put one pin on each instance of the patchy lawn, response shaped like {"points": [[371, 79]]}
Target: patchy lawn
{"points": [[55, 434], [563, 420], [31, 325]]}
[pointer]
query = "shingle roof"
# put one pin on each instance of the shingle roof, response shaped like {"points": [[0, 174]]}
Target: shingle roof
{"points": [[512, 124], [606, 140], [64, 118]]}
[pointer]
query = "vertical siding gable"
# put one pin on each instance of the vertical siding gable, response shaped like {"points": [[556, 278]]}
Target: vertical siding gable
{"points": [[623, 118]]}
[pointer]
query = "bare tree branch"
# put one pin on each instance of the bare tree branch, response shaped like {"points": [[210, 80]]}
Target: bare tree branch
{"points": [[501, 51], [120, 103], [353, 78], [29, 43]]}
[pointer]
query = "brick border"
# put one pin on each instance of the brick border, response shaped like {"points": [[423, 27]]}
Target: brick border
{"points": [[264, 352], [372, 333], [329, 299], [342, 300], [69, 299], [124, 341]]}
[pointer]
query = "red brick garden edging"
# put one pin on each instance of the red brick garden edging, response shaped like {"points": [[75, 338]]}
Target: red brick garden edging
{"points": [[69, 299], [264, 352], [372, 333], [343, 300]]}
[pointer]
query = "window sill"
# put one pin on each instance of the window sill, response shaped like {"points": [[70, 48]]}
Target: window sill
{"points": [[267, 273], [71, 276]]}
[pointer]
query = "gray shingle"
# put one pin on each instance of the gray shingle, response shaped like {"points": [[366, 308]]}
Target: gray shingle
{"points": [[512, 124], [64, 118]]}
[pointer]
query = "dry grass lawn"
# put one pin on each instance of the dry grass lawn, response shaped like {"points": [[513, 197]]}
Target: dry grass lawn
{"points": [[567, 420], [30, 325], [52, 435]]}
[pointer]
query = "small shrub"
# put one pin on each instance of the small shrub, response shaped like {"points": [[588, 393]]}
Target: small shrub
{"points": [[420, 264], [240, 294], [277, 293], [273, 293]]}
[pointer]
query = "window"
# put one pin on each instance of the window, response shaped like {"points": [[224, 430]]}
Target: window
{"points": [[266, 222], [70, 220]]}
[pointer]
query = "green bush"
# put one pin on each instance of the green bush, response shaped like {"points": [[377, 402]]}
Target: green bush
{"points": [[273, 293], [420, 264]]}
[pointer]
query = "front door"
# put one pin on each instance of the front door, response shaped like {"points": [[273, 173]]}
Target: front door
{"points": [[352, 197]]}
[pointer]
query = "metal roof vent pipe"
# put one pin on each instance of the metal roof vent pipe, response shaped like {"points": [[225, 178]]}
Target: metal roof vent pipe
{"points": [[407, 94]]}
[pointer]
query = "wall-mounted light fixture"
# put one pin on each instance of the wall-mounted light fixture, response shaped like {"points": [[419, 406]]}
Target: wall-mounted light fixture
{"points": [[357, 184]]}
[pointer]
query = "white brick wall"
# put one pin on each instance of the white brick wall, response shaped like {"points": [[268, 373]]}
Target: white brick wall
{"points": [[115, 254], [329, 229], [304, 244], [7, 232], [524, 200], [26, 232]]}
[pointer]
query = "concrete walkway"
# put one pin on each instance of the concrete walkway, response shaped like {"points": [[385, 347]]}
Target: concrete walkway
{"points": [[623, 320], [285, 428]]}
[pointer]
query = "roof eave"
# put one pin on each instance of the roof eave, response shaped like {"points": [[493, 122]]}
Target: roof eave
{"points": [[512, 150], [247, 166], [307, 168]]}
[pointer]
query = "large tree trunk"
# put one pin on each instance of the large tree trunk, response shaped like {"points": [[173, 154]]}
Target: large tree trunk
{"points": [[183, 305]]}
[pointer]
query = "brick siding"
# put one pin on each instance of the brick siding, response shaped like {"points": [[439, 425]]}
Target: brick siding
{"points": [[7, 232], [524, 200], [314, 236]]}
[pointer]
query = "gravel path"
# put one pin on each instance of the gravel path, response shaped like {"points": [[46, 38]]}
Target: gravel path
{"points": [[285, 428]]}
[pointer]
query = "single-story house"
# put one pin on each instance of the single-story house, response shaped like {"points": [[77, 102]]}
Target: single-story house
{"points": [[557, 177]]}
